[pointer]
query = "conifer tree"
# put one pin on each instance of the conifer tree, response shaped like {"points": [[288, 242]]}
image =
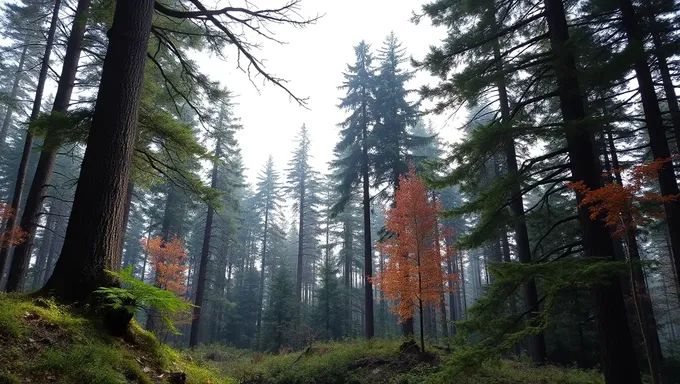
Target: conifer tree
{"points": [[353, 163], [301, 182], [279, 315], [98, 204], [10, 223], [268, 205], [224, 132], [51, 143]]}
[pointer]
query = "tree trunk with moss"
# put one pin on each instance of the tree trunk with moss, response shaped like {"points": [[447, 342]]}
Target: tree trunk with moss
{"points": [[91, 245]]}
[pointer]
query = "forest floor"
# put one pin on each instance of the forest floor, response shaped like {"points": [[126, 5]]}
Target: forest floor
{"points": [[42, 342], [377, 361]]}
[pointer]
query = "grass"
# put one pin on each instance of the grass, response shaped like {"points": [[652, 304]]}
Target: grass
{"points": [[42, 342], [377, 361], [323, 363]]}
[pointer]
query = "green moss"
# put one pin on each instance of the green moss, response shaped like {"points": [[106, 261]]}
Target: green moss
{"points": [[41, 341], [513, 372], [8, 378], [324, 363]]}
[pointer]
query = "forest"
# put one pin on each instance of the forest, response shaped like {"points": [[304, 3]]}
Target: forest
{"points": [[532, 237]]}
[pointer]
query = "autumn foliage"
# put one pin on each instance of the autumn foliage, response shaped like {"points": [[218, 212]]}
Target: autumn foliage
{"points": [[170, 261], [9, 237], [622, 207], [413, 276]]}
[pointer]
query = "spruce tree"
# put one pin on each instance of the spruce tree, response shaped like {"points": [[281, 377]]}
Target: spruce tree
{"points": [[353, 163], [301, 182], [268, 204]]}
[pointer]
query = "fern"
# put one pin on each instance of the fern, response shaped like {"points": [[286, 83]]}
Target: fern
{"points": [[134, 295]]}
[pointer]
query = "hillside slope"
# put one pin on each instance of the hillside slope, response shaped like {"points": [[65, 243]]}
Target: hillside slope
{"points": [[41, 342]]}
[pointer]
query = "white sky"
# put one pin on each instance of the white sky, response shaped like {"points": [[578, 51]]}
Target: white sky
{"points": [[313, 61]]}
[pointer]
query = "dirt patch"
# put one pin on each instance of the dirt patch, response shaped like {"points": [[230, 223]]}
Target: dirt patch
{"points": [[381, 369]]}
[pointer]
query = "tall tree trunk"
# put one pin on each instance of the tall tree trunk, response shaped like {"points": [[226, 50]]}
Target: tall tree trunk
{"points": [[96, 222], [45, 247], [48, 156], [512, 300], [347, 272], [205, 255], [10, 224], [617, 354], [368, 251], [655, 125], [635, 283], [262, 269], [666, 78], [126, 214], [59, 209], [536, 343], [298, 280], [420, 306], [462, 285], [451, 269], [15, 88]]}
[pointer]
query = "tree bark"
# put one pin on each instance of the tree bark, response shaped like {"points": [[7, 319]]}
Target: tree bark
{"points": [[617, 354], [262, 269], [655, 125], [96, 222], [536, 343], [15, 90], [667, 80], [205, 255], [58, 210], [347, 273], [43, 173], [635, 284], [10, 224], [298, 280], [442, 299], [126, 214], [45, 247], [452, 268], [368, 247], [512, 299]]}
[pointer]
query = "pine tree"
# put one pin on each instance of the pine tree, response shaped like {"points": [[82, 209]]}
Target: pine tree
{"points": [[10, 224], [279, 315], [98, 204], [50, 147], [353, 163], [268, 205], [224, 133], [301, 183]]}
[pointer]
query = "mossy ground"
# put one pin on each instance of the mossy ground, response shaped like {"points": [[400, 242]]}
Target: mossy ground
{"points": [[41, 342], [377, 361]]}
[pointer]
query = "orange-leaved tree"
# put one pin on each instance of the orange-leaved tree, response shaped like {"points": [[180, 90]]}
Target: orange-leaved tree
{"points": [[413, 276], [170, 261], [9, 237], [622, 207]]}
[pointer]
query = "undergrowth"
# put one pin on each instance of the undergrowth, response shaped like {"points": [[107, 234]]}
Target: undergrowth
{"points": [[42, 342], [377, 361]]}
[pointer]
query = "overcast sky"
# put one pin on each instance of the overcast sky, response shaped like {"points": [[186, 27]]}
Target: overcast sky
{"points": [[313, 61]]}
